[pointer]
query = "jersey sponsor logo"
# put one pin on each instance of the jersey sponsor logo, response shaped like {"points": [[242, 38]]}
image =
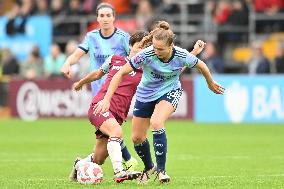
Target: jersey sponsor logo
{"points": [[162, 77], [135, 109], [101, 56], [133, 73]]}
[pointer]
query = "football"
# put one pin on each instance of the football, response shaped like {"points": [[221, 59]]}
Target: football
{"points": [[90, 173]]}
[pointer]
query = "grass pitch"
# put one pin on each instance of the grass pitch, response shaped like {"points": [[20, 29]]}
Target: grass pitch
{"points": [[40, 154]]}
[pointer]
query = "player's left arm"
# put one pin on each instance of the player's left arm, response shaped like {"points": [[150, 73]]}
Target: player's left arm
{"points": [[103, 105], [212, 85], [198, 47], [93, 76]]}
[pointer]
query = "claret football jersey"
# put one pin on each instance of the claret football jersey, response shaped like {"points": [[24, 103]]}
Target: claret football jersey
{"points": [[121, 100]]}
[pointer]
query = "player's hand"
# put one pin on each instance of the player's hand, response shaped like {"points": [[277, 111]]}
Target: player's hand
{"points": [[66, 70], [199, 46], [216, 88], [101, 107], [77, 86]]}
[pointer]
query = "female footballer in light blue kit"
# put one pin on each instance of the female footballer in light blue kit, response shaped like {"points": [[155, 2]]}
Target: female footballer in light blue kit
{"points": [[100, 44], [157, 94]]}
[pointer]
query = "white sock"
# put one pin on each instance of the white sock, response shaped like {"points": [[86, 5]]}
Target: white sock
{"points": [[83, 161], [114, 151]]}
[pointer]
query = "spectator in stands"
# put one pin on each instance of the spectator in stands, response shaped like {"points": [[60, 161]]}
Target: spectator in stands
{"points": [[120, 6], [222, 11], [10, 66], [279, 59], [74, 8], [239, 15], [57, 8], [54, 61], [41, 7], [212, 58], [17, 17], [270, 8], [144, 14], [167, 7], [89, 6], [258, 64], [32, 68]]}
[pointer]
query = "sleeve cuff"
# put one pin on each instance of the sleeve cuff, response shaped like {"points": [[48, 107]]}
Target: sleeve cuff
{"points": [[86, 51]]}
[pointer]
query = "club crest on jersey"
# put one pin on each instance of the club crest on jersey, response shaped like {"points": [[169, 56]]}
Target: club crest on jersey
{"points": [[138, 60]]}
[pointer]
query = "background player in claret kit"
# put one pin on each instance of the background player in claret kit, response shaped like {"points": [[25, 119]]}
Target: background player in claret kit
{"points": [[157, 95], [100, 44]]}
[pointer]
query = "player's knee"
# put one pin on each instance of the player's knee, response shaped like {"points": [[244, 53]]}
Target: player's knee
{"points": [[156, 124], [98, 160], [117, 132], [138, 139]]}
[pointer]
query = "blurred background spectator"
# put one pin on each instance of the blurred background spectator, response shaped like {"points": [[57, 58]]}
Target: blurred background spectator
{"points": [[9, 63], [54, 61], [32, 68], [223, 24], [279, 59], [258, 64], [41, 7], [212, 58]]}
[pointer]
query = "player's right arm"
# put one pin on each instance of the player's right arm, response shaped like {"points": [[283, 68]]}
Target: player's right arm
{"points": [[103, 105], [72, 59], [93, 76]]}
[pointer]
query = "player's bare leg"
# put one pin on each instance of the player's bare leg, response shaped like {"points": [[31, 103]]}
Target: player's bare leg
{"points": [[111, 128], [99, 156]]}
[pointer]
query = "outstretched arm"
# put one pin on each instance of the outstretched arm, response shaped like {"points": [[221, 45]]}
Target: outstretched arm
{"points": [[198, 47], [72, 59], [212, 85], [93, 76], [103, 105]]}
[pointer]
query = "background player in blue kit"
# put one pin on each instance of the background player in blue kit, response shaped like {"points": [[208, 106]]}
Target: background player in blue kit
{"points": [[157, 95], [100, 44]]}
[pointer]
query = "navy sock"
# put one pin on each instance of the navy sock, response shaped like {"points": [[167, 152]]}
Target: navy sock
{"points": [[160, 148], [125, 153], [143, 150]]}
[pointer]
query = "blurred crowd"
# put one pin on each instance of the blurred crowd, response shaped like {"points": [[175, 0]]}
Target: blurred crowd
{"points": [[223, 12]]}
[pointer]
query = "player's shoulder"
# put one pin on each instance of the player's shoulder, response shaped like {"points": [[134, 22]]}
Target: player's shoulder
{"points": [[93, 32], [149, 51], [122, 33], [180, 52]]}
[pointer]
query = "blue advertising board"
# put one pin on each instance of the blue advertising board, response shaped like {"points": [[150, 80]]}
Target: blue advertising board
{"points": [[246, 99], [38, 31]]}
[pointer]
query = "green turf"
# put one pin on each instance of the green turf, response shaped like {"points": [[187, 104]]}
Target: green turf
{"points": [[40, 154]]}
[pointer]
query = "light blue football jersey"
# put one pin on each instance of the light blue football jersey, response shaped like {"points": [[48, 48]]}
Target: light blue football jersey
{"points": [[160, 77], [100, 48]]}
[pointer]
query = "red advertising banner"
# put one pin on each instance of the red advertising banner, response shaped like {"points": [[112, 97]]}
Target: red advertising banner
{"points": [[33, 99]]}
